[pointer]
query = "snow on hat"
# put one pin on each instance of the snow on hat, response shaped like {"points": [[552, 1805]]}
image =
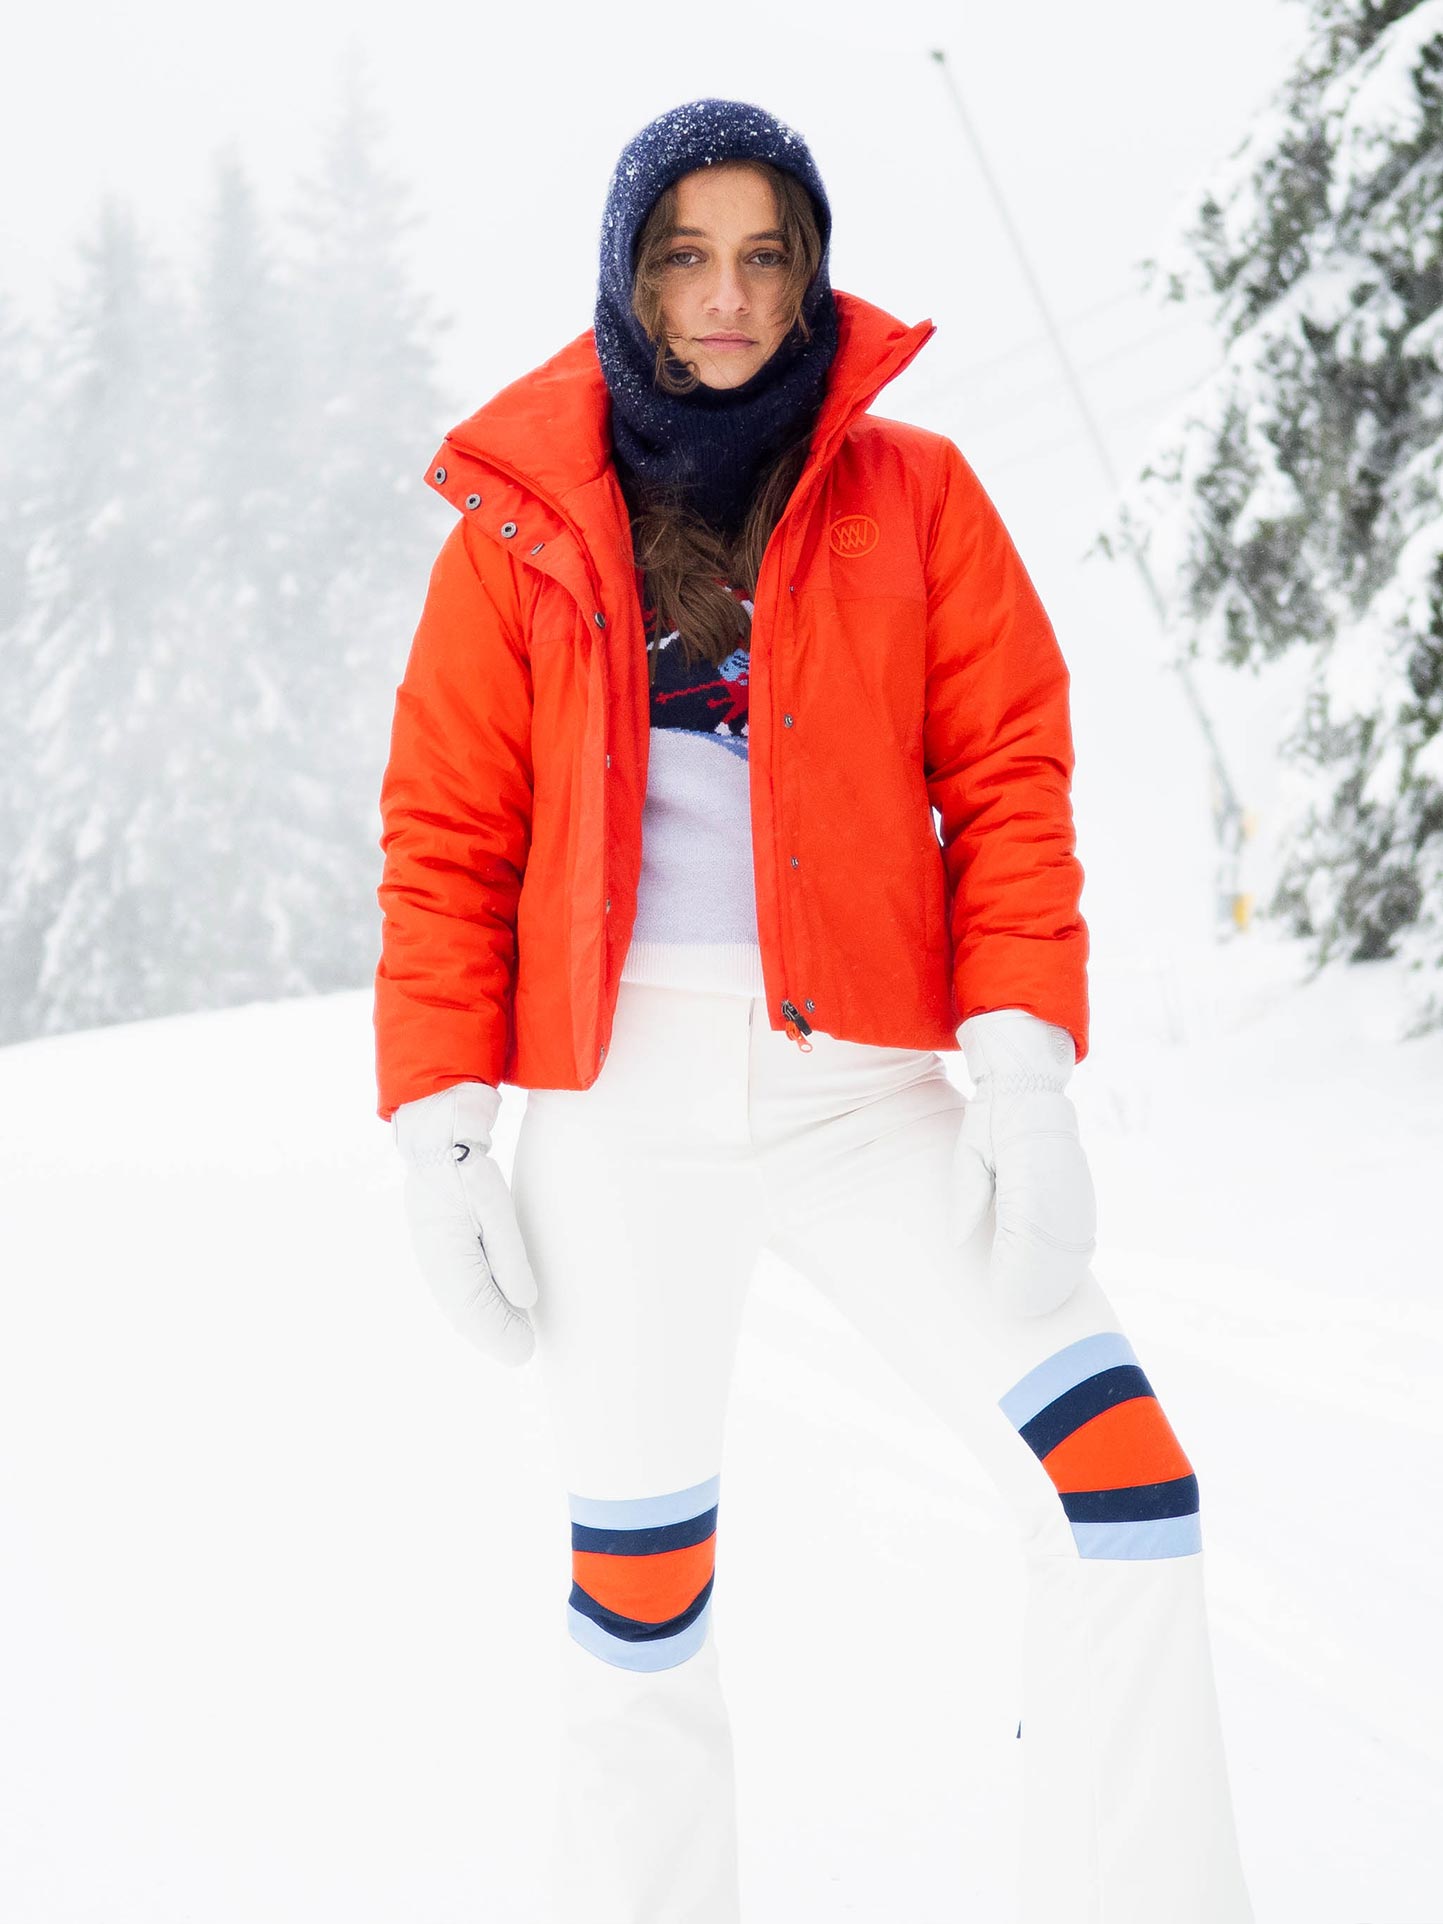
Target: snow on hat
{"points": [[713, 438]]}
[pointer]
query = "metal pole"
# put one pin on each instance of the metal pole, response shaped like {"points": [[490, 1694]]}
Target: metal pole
{"points": [[1230, 824]]}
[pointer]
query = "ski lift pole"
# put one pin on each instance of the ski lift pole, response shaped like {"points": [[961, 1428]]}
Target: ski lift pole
{"points": [[1230, 823]]}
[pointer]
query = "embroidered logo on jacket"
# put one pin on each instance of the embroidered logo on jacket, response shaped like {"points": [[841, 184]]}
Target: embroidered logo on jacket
{"points": [[854, 534]]}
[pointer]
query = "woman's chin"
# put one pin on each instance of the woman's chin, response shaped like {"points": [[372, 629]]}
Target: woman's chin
{"points": [[728, 370]]}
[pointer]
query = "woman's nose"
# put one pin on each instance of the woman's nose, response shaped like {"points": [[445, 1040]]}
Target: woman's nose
{"points": [[728, 291]]}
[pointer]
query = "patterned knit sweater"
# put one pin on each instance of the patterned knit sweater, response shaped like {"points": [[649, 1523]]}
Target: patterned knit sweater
{"points": [[696, 915]]}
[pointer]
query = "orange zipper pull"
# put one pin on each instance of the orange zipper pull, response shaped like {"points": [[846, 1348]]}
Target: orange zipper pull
{"points": [[797, 1026]]}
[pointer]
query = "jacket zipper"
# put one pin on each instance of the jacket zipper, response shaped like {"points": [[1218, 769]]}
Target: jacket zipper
{"points": [[796, 1021], [797, 1025]]}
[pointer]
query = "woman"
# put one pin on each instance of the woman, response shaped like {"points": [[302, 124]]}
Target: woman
{"points": [[724, 944]]}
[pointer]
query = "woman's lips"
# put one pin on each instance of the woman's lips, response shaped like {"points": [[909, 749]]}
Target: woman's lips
{"points": [[726, 340]]}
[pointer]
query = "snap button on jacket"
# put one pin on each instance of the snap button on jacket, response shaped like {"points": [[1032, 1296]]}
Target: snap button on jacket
{"points": [[901, 662]]}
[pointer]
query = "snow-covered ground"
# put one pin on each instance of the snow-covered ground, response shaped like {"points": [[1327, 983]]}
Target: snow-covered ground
{"points": [[284, 1562]]}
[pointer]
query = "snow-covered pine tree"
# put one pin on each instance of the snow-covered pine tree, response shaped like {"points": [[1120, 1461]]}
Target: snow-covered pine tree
{"points": [[215, 551], [85, 913], [1296, 500], [225, 840], [25, 455], [366, 530], [21, 450]]}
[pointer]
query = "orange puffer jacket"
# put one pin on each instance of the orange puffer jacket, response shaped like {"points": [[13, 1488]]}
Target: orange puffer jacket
{"points": [[901, 662]]}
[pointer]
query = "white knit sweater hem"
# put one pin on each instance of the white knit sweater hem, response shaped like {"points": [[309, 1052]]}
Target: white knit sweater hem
{"points": [[723, 968]]}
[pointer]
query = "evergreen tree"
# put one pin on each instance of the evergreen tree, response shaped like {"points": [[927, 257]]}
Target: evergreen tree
{"points": [[365, 531], [86, 914], [1297, 499], [224, 838], [25, 451], [22, 456], [211, 567]]}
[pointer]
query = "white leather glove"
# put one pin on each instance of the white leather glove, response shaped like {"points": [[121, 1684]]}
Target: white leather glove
{"points": [[1019, 1138], [463, 1224]]}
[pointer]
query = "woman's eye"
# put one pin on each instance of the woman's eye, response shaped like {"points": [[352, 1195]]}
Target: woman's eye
{"points": [[770, 256]]}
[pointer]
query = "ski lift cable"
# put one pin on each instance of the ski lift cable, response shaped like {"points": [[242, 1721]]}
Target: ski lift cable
{"points": [[1034, 341], [1230, 810], [1005, 411], [1060, 441]]}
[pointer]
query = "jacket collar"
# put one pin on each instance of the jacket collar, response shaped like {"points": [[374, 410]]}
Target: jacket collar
{"points": [[550, 429]]}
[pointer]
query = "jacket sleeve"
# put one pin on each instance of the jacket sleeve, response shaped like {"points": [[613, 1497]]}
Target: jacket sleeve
{"points": [[999, 759], [456, 826]]}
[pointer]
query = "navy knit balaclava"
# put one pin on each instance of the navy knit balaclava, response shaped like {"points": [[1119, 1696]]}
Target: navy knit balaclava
{"points": [[713, 442]]}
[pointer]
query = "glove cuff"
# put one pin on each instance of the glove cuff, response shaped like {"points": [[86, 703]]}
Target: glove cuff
{"points": [[429, 1129], [1014, 1051]]}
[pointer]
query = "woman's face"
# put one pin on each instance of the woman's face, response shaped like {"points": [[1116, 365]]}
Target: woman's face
{"points": [[724, 274]]}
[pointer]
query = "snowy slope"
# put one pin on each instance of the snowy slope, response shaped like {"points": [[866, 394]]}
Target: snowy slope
{"points": [[284, 1561]]}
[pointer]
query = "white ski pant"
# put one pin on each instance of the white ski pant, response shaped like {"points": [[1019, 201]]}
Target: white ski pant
{"points": [[644, 1202]]}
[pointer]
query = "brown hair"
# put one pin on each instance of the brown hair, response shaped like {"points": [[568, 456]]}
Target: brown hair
{"points": [[685, 559]]}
